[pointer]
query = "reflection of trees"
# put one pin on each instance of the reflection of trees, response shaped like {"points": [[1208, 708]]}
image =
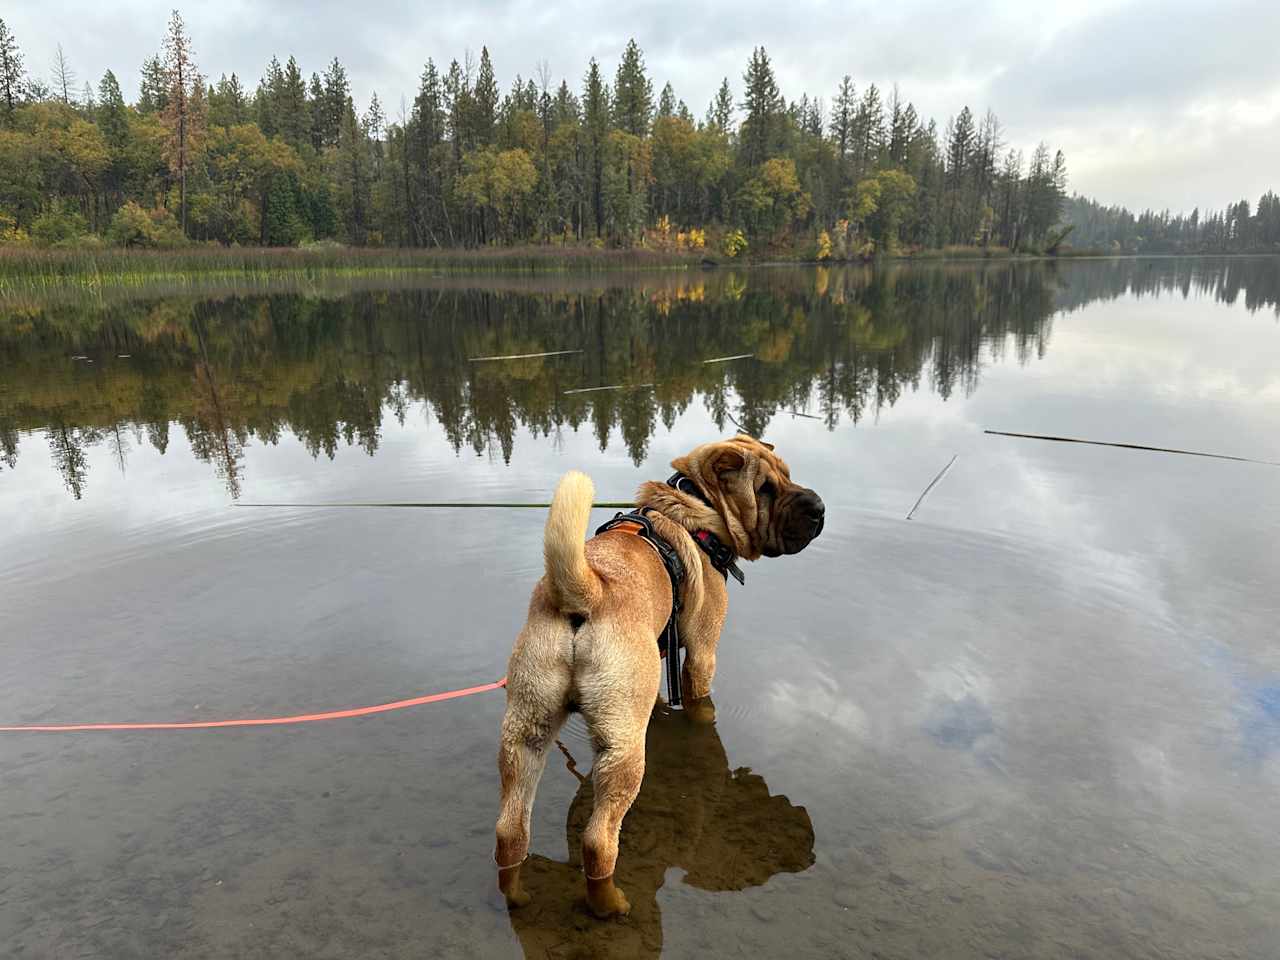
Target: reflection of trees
{"points": [[8, 442], [1223, 279], [216, 432], [66, 450], [833, 344]]}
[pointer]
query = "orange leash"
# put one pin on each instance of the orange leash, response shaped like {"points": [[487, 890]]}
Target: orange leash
{"points": [[260, 722]]}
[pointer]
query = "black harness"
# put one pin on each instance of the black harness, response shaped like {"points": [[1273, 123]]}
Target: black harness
{"points": [[722, 558]]}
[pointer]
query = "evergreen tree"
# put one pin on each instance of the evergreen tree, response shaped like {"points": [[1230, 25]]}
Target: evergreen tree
{"points": [[153, 95], [667, 103], [759, 138], [12, 74], [720, 112], [293, 113], [484, 103], [842, 114], [112, 114], [595, 120], [632, 93], [337, 91], [228, 105], [267, 101], [316, 109]]}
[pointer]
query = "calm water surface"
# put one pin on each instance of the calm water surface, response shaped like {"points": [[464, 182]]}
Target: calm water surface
{"points": [[1040, 719]]}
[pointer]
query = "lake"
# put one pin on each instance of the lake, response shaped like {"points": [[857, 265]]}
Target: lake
{"points": [[1041, 718]]}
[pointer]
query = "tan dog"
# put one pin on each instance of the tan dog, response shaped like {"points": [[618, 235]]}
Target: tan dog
{"points": [[590, 641]]}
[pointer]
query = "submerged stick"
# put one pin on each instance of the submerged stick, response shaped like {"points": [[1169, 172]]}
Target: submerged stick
{"points": [[941, 472], [616, 386], [525, 356], [1131, 446], [610, 504], [739, 356]]}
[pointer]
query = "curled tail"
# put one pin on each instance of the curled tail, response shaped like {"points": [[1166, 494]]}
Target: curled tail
{"points": [[574, 586]]}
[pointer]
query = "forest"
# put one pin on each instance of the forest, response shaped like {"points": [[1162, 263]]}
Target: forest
{"points": [[601, 162], [1234, 229]]}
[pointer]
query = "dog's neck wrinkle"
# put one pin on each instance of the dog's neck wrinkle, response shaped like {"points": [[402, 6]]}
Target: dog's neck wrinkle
{"points": [[689, 512]]}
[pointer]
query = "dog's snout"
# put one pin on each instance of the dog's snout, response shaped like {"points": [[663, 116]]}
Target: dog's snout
{"points": [[814, 506]]}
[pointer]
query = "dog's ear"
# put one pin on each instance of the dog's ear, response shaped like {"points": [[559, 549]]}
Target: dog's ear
{"points": [[724, 460]]}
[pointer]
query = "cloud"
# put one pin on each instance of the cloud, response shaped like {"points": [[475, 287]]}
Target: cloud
{"points": [[1154, 103]]}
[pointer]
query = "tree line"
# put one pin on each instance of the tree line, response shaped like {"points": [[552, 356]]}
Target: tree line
{"points": [[1234, 229], [605, 162]]}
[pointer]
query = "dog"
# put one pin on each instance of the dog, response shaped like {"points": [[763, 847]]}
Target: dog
{"points": [[589, 643]]}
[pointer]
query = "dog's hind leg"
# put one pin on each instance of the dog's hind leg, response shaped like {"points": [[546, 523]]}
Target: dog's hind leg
{"points": [[535, 713], [618, 732]]}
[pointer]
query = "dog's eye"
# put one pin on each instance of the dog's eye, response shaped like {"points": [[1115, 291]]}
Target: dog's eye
{"points": [[766, 489]]}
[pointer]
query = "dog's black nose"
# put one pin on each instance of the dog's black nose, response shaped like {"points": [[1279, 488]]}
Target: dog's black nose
{"points": [[814, 507]]}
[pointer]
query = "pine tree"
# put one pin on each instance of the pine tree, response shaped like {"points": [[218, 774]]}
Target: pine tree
{"points": [[12, 86], [153, 95], [337, 91], [759, 138], [112, 115], [316, 106], [667, 103], [228, 105], [595, 119], [181, 116], [720, 112], [842, 113], [267, 99], [868, 132], [632, 93], [484, 102], [293, 114]]}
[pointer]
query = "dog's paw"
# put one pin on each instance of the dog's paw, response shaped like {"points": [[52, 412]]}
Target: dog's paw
{"points": [[517, 898], [700, 711], [614, 905]]}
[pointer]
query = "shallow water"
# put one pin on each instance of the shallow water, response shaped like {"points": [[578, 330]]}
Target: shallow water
{"points": [[1041, 718]]}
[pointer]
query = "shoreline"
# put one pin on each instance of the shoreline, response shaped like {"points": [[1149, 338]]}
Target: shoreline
{"points": [[34, 271]]}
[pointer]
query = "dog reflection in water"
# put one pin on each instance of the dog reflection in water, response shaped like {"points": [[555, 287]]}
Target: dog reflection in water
{"points": [[720, 826]]}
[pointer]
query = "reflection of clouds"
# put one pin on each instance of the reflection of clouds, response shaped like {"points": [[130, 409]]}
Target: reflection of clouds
{"points": [[821, 699], [959, 723], [1260, 724]]}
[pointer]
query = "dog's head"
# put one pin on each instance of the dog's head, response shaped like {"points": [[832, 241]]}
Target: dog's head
{"points": [[764, 511]]}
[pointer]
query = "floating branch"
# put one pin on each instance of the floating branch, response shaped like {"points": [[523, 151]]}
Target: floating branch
{"points": [[739, 356], [526, 356], [797, 413], [465, 505], [932, 482], [616, 386], [1131, 446]]}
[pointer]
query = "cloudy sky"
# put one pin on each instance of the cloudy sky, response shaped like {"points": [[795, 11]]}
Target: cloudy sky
{"points": [[1162, 103]]}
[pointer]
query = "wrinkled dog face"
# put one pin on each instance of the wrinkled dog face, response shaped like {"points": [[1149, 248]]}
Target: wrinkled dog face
{"points": [[765, 512]]}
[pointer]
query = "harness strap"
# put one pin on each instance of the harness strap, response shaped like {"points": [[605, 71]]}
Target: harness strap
{"points": [[669, 640], [722, 556]]}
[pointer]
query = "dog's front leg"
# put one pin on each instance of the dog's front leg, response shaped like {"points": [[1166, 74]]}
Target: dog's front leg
{"points": [[702, 636]]}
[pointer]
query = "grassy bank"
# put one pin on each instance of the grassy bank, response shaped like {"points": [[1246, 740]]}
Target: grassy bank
{"points": [[30, 270]]}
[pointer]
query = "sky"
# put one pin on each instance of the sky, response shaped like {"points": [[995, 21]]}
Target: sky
{"points": [[1156, 103]]}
